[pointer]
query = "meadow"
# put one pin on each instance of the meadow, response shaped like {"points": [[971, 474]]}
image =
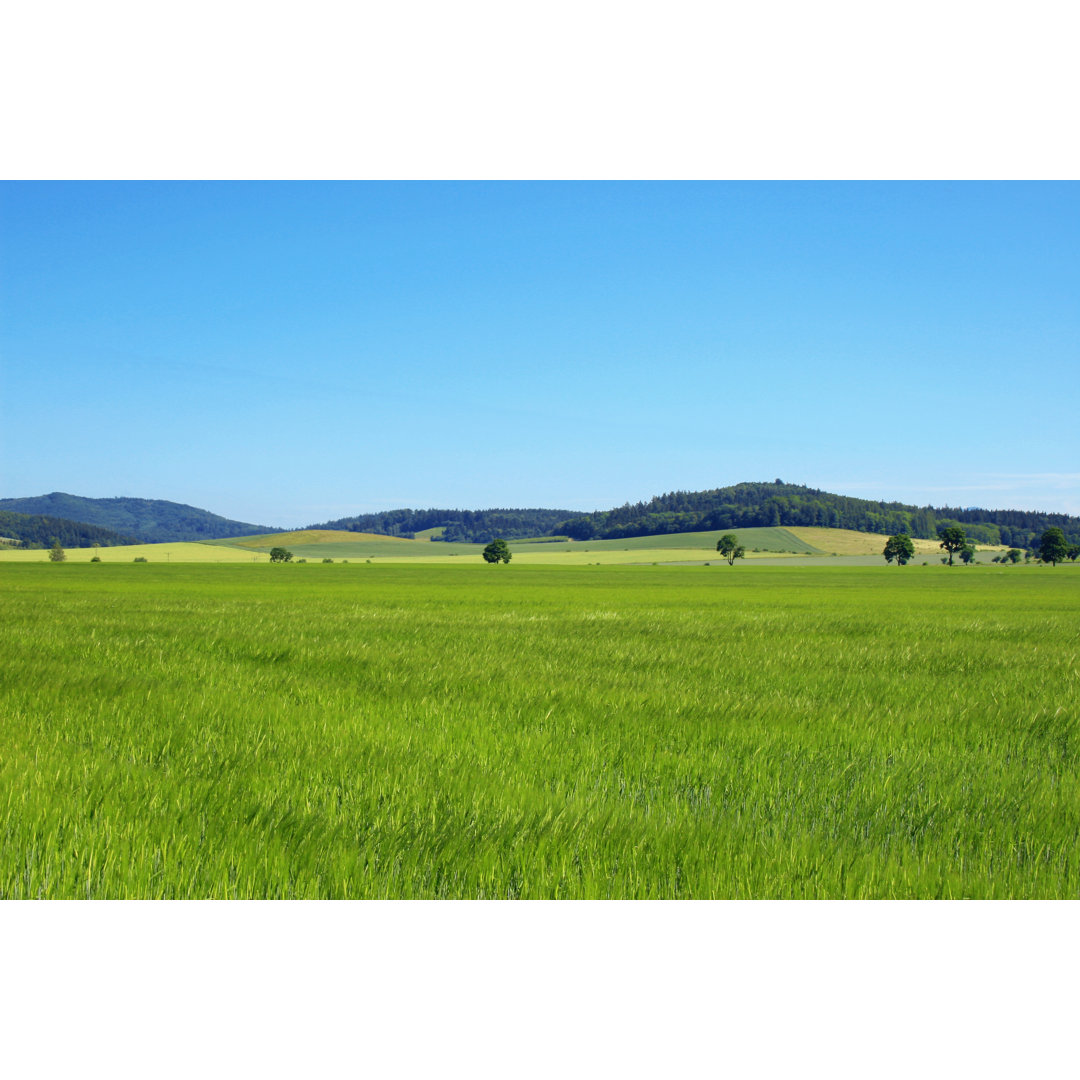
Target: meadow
{"points": [[394, 730]]}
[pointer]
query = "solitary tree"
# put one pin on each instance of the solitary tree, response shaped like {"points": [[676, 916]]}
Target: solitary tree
{"points": [[1014, 555], [900, 548], [57, 553], [728, 545], [1053, 547], [967, 553], [280, 554], [496, 552], [952, 539]]}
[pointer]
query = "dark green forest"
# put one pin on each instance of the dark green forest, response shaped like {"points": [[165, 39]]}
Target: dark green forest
{"points": [[149, 521], [38, 531], [740, 506], [462, 526]]}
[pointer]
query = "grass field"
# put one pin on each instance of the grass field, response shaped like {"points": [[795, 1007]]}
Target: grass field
{"points": [[530, 731], [675, 547]]}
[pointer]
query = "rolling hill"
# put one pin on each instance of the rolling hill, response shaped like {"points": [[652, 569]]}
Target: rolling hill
{"points": [[774, 505], [147, 520], [741, 506]]}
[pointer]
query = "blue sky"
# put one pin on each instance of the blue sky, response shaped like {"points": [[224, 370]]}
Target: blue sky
{"points": [[286, 353]]}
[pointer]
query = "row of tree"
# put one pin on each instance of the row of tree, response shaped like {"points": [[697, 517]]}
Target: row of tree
{"points": [[1053, 547]]}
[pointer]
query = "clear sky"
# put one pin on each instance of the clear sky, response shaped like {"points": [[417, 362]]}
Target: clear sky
{"points": [[287, 353]]}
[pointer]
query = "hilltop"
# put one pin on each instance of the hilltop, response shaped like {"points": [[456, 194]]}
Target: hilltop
{"points": [[148, 521]]}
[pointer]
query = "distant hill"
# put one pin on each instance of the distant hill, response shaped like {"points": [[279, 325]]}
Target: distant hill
{"points": [[764, 504], [741, 506], [755, 505], [36, 530], [148, 521]]}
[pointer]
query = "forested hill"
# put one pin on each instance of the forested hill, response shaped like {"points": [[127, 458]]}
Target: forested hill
{"points": [[34, 530], [148, 521], [465, 526], [740, 506], [765, 504]]}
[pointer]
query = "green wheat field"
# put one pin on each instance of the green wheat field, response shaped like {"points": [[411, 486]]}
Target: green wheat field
{"points": [[530, 731]]}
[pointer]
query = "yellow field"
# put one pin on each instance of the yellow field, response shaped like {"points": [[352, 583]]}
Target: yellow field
{"points": [[850, 542], [310, 536], [173, 552]]}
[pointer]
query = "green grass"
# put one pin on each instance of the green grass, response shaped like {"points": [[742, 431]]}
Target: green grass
{"points": [[531, 731]]}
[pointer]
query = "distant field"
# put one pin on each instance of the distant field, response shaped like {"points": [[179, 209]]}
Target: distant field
{"points": [[765, 539], [850, 542], [196, 552], [306, 537], [674, 547], [539, 731], [806, 545]]}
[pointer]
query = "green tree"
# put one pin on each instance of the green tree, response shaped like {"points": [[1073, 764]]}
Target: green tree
{"points": [[967, 553], [1053, 547], [496, 552], [57, 553], [1014, 555], [953, 538], [728, 545], [900, 548], [280, 554], [1074, 552]]}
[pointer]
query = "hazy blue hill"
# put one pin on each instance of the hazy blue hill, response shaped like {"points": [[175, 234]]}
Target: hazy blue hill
{"points": [[149, 521]]}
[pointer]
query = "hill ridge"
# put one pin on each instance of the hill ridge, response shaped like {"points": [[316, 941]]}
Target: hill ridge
{"points": [[145, 520], [744, 505]]}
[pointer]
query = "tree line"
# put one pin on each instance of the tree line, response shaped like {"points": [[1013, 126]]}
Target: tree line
{"points": [[460, 526], [1053, 547]]}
